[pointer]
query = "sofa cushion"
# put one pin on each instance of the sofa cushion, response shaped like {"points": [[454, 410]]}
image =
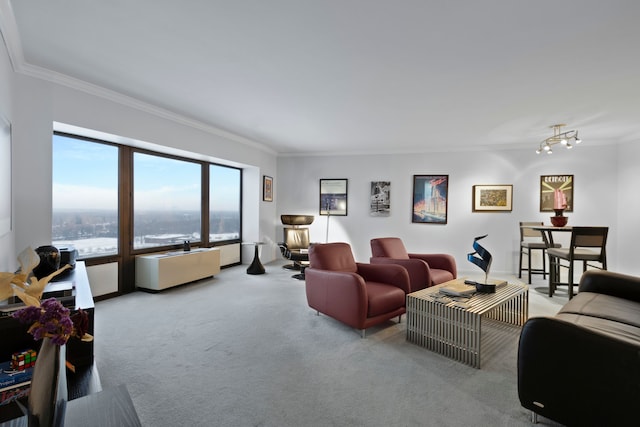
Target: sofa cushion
{"points": [[389, 247], [332, 256], [383, 298], [604, 307], [610, 328]]}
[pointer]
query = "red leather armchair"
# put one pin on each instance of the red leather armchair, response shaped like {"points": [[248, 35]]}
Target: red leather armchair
{"points": [[424, 269], [359, 295]]}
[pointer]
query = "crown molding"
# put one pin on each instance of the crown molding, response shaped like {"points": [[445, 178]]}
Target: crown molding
{"points": [[11, 37]]}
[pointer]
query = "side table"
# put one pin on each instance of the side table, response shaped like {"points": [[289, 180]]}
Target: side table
{"points": [[256, 266]]}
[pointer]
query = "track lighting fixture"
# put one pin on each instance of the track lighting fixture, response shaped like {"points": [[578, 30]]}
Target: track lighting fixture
{"points": [[559, 137]]}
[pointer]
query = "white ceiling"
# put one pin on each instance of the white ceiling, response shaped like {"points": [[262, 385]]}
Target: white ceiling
{"points": [[353, 76]]}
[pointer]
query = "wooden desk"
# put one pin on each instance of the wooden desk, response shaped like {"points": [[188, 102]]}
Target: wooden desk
{"points": [[14, 336], [547, 232]]}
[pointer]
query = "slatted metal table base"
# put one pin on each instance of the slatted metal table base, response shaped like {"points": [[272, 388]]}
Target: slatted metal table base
{"points": [[456, 332]]}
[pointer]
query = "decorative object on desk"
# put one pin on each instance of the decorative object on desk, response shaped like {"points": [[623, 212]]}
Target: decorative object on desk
{"points": [[430, 195], [47, 320], [559, 205], [548, 185], [49, 261], [23, 359], [48, 394], [492, 198], [267, 188], [482, 260], [333, 197], [24, 284], [186, 246]]}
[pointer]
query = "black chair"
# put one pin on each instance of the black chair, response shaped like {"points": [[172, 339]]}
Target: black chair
{"points": [[295, 246], [532, 240], [588, 244]]}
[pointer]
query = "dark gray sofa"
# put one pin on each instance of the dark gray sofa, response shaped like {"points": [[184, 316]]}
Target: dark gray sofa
{"points": [[582, 366]]}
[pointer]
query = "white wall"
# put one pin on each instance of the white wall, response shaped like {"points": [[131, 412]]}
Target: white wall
{"points": [[628, 208], [596, 194], [7, 247]]}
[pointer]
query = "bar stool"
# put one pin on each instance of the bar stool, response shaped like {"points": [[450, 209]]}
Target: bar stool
{"points": [[527, 245], [587, 244]]}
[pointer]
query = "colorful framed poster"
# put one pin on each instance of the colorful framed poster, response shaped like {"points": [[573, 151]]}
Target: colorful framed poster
{"points": [[430, 197], [548, 185]]}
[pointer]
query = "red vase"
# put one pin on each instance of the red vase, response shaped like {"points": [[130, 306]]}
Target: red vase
{"points": [[559, 221]]}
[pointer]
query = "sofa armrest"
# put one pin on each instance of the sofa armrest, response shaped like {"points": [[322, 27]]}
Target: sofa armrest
{"points": [[341, 295], [570, 374], [418, 270], [439, 261], [610, 283], [392, 274]]}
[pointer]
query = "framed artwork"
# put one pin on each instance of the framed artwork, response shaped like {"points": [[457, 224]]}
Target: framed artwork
{"points": [[430, 194], [5, 179], [333, 197], [492, 198], [380, 198], [267, 188], [548, 185]]}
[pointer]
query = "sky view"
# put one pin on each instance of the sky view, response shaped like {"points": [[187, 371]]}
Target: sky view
{"points": [[85, 176]]}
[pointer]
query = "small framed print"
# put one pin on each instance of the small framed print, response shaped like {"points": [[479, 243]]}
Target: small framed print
{"points": [[492, 198], [430, 197], [380, 198], [267, 188], [333, 197]]}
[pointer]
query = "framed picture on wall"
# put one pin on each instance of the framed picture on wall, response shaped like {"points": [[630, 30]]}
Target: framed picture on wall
{"points": [[267, 188], [492, 198], [430, 197], [380, 198], [333, 197], [549, 184]]}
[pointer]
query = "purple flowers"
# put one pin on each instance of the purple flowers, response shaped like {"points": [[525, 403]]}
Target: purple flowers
{"points": [[51, 320]]}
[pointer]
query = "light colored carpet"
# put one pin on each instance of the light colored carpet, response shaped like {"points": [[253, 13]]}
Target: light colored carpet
{"points": [[242, 350]]}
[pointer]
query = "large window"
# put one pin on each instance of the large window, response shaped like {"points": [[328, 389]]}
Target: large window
{"points": [[166, 201], [85, 196], [224, 203], [112, 200]]}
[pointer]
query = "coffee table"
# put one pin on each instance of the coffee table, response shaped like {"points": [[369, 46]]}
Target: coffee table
{"points": [[454, 329]]}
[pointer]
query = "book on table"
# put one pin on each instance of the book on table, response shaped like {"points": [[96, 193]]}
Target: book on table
{"points": [[14, 383], [458, 288]]}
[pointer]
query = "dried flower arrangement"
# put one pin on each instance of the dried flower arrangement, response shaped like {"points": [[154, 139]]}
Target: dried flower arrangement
{"points": [[48, 318]]}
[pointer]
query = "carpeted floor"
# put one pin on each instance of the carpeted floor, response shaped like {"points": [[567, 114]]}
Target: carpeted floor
{"points": [[242, 350]]}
